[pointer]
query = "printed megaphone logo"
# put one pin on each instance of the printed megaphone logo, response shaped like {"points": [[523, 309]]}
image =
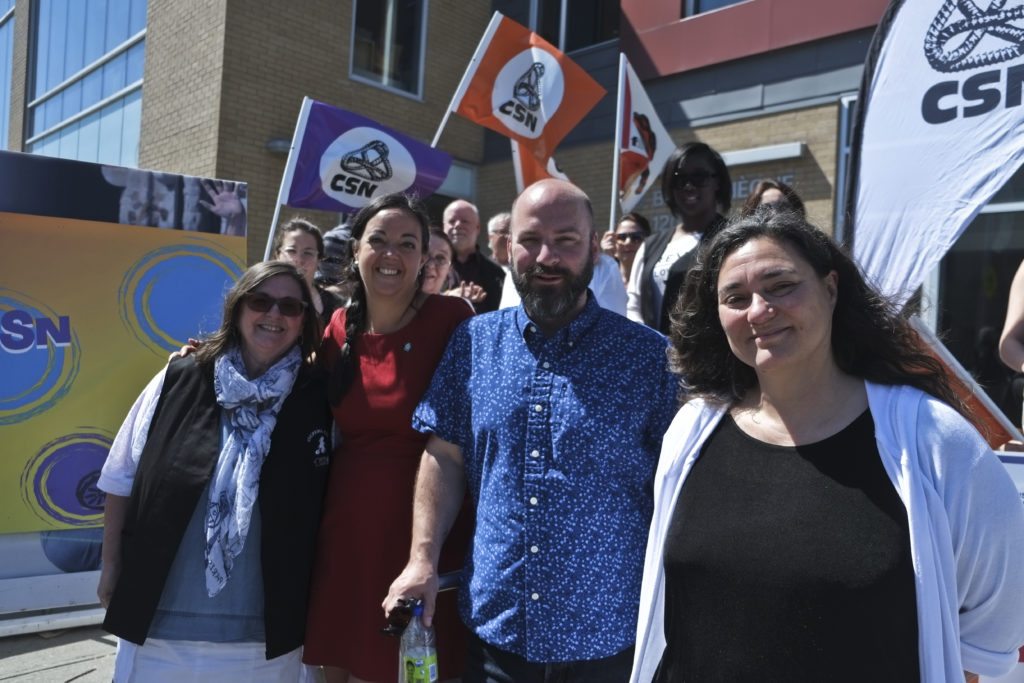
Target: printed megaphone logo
{"points": [[528, 92], [369, 162], [964, 36], [527, 89], [363, 163]]}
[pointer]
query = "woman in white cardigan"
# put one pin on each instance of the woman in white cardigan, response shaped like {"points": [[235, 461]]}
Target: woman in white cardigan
{"points": [[823, 510]]}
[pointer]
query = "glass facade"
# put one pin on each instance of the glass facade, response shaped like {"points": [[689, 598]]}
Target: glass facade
{"points": [[387, 43], [6, 63], [588, 22], [86, 88], [691, 7]]}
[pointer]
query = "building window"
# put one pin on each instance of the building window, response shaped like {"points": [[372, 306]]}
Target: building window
{"points": [[388, 38], [691, 7], [86, 87], [575, 24], [6, 64]]}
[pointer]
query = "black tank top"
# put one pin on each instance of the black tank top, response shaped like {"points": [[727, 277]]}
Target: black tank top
{"points": [[789, 564]]}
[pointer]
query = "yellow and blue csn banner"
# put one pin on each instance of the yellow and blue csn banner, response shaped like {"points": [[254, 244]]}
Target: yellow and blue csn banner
{"points": [[89, 311]]}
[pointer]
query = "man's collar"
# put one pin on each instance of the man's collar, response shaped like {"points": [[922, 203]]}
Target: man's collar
{"points": [[572, 332]]}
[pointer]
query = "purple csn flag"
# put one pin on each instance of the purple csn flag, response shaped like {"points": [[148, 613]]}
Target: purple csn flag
{"points": [[341, 161]]}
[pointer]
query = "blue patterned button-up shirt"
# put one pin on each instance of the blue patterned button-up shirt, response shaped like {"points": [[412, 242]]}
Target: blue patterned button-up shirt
{"points": [[560, 438]]}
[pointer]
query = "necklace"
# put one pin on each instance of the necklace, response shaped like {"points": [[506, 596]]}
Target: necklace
{"points": [[413, 306]]}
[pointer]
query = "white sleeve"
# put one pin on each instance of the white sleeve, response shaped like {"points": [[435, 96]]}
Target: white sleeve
{"points": [[986, 525], [118, 472], [607, 285], [509, 293], [633, 290]]}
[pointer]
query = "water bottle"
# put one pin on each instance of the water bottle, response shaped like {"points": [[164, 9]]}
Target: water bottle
{"points": [[418, 651]]}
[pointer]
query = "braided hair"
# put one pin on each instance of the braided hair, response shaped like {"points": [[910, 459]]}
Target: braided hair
{"points": [[356, 317]]}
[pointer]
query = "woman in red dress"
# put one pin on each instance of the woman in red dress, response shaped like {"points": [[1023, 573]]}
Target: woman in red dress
{"points": [[381, 352]]}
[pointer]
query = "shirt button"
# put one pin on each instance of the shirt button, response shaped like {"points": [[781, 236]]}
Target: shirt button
{"points": [[538, 407], [534, 549], [532, 329], [534, 454], [533, 500], [570, 344], [535, 596], [547, 365]]}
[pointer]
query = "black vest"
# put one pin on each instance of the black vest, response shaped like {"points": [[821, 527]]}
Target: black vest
{"points": [[654, 247], [181, 450]]}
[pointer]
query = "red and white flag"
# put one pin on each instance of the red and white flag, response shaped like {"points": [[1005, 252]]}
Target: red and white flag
{"points": [[643, 143], [529, 169], [521, 86]]}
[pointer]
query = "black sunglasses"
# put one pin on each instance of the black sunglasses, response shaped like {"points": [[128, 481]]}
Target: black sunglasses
{"points": [[624, 237], [698, 179], [289, 306]]}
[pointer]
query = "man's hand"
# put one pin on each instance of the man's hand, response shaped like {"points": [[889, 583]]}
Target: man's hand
{"points": [[417, 580]]}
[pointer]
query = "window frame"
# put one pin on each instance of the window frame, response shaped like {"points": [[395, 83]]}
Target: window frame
{"points": [[7, 20], [381, 84], [690, 8], [563, 10]]}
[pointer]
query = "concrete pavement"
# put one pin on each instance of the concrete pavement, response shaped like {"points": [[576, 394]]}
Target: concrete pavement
{"points": [[82, 655]]}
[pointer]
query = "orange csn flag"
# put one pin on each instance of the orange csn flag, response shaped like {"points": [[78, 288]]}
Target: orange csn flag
{"points": [[529, 169], [521, 86]]}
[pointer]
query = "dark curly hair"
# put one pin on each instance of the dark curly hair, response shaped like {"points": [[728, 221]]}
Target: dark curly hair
{"points": [[343, 372], [696, 150], [870, 339]]}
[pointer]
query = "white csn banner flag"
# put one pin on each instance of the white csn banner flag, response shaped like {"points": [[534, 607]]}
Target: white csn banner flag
{"points": [[939, 132], [643, 145]]}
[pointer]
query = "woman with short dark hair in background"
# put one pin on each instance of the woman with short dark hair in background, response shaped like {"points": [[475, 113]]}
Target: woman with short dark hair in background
{"points": [[381, 352], [823, 511], [300, 243], [697, 188], [774, 193], [214, 488]]}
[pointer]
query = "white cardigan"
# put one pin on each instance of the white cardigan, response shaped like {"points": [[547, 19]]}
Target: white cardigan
{"points": [[966, 533]]}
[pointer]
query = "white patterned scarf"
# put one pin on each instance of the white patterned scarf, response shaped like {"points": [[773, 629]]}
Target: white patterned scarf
{"points": [[251, 408]]}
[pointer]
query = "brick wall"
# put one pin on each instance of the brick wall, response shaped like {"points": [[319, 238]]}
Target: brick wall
{"points": [[19, 75], [181, 92]]}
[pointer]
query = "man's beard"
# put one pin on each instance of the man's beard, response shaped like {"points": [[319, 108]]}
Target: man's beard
{"points": [[551, 302]]}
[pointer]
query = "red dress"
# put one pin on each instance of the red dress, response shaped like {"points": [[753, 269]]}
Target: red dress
{"points": [[366, 529]]}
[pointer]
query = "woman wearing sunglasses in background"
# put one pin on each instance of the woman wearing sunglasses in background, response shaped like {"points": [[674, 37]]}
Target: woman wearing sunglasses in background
{"points": [[623, 243], [214, 487], [380, 352], [696, 186]]}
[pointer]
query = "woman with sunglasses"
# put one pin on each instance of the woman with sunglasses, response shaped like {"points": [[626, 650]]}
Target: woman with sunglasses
{"points": [[624, 242], [381, 352], [300, 243], [696, 186], [214, 488]]}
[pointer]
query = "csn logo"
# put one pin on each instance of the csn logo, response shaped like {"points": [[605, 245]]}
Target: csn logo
{"points": [[985, 38], [525, 98], [20, 331], [363, 163], [527, 92], [363, 170]]}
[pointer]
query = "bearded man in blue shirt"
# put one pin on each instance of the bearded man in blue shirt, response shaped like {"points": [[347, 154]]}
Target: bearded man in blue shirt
{"points": [[552, 414]]}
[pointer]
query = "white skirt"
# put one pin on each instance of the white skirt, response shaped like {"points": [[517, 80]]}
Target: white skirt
{"points": [[179, 661]]}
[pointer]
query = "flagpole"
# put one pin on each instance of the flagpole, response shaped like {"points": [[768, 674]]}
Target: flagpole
{"points": [[485, 40], [517, 167], [617, 143], [961, 373], [289, 173]]}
